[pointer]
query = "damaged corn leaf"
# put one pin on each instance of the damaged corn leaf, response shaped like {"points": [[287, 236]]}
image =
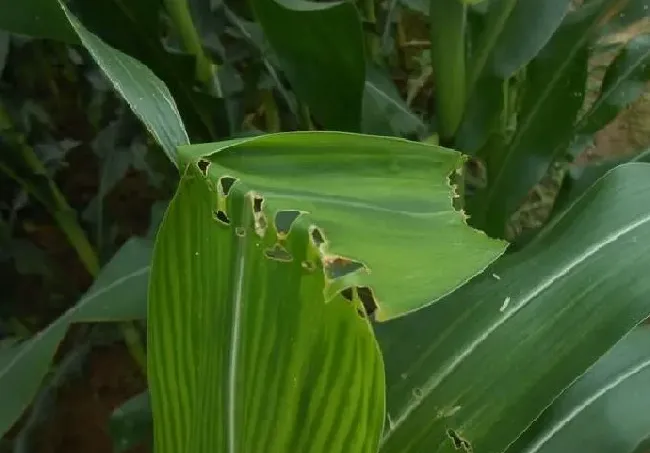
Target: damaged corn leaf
{"points": [[474, 370], [383, 207], [245, 353]]}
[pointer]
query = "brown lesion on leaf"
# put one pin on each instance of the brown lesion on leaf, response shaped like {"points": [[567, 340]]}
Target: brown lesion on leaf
{"points": [[458, 441], [259, 218], [278, 253]]}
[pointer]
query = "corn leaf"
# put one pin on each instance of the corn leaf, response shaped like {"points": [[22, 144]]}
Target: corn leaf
{"points": [[474, 370]]}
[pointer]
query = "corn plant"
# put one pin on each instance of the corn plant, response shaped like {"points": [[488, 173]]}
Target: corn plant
{"points": [[321, 290]]}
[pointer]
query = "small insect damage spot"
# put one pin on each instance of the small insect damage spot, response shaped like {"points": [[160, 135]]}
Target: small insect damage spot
{"points": [[317, 237], [459, 442], [278, 253], [204, 166], [364, 295], [225, 184], [240, 231], [284, 220], [259, 218], [221, 216], [309, 266]]}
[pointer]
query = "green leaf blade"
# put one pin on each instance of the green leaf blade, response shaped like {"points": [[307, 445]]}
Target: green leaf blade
{"points": [[320, 47], [388, 209], [522, 312], [145, 93], [265, 361]]}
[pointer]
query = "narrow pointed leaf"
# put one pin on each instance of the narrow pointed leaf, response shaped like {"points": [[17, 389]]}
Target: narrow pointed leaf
{"points": [[246, 352], [474, 370], [320, 48], [118, 294], [387, 210], [604, 411], [145, 93]]}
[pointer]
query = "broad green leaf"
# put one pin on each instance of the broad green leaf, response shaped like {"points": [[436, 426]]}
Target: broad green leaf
{"points": [[36, 18], [624, 82], [384, 110], [145, 93], [383, 204], [320, 48], [19, 161], [553, 95], [605, 411], [118, 294], [246, 351], [131, 423], [475, 369], [448, 22]]}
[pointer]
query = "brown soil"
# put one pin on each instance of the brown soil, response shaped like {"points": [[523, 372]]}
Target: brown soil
{"points": [[79, 423]]}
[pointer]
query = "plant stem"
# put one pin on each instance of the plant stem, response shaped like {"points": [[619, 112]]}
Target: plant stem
{"points": [[206, 71], [66, 219]]}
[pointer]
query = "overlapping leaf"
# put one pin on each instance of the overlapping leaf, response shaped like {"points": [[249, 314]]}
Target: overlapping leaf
{"points": [[475, 369], [383, 204]]}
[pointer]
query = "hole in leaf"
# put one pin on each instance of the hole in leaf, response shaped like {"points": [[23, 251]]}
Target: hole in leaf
{"points": [[278, 253], [367, 299], [339, 266], [204, 166], [459, 442], [284, 220], [226, 183], [240, 231], [317, 236], [258, 203], [222, 217], [348, 294]]}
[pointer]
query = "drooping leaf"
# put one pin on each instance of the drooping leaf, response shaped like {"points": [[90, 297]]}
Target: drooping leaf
{"points": [[604, 411], [384, 110], [448, 23], [320, 48], [118, 294], [384, 204], [246, 351], [145, 93], [36, 18], [624, 82], [474, 370], [553, 95]]}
